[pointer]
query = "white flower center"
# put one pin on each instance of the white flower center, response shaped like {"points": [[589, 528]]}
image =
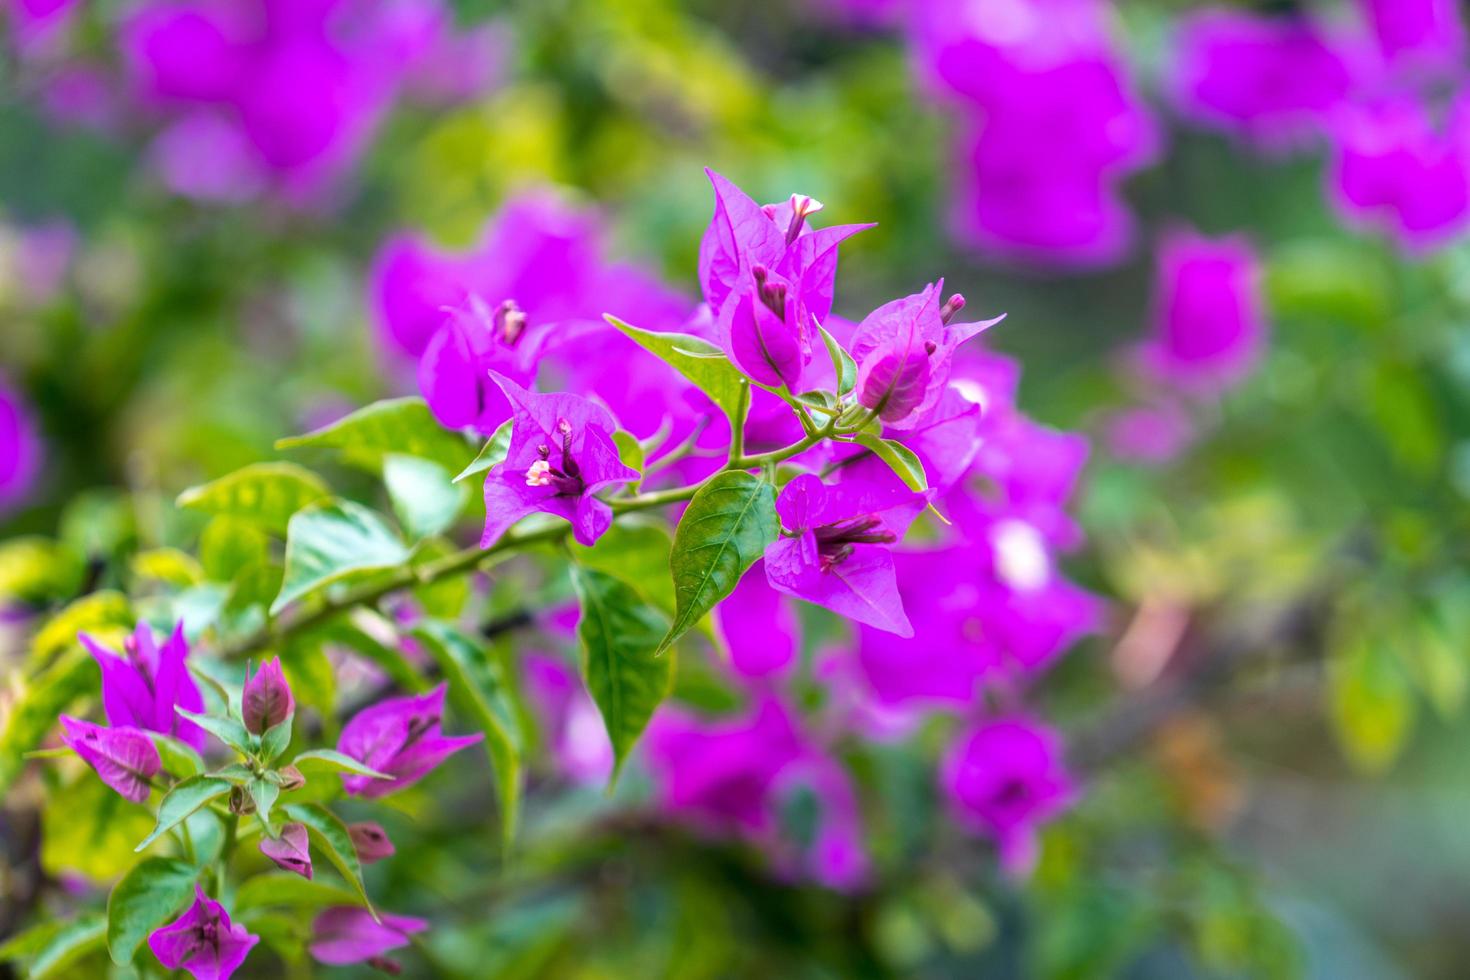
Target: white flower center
{"points": [[1020, 555]]}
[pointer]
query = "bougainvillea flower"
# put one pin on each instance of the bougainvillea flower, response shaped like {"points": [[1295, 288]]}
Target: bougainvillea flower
{"points": [[947, 437], [303, 85], [401, 738], [20, 448], [1419, 32], [1396, 170], [144, 685], [903, 352], [125, 758], [1003, 779], [1209, 321], [1034, 470], [1271, 79], [832, 550], [743, 235], [291, 851], [203, 941], [561, 453], [759, 625], [370, 841], [719, 775], [266, 700], [1152, 433], [765, 330], [346, 934], [574, 729], [1051, 127]]}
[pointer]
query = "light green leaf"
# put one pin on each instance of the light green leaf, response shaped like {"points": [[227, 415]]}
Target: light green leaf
{"points": [[100, 613], [332, 838], [36, 704], [285, 889], [1372, 704], [423, 497], [227, 730], [620, 662], [179, 759], [70, 943], [266, 494], [398, 425], [325, 761], [630, 453], [146, 898], [494, 451], [88, 829], [228, 544], [725, 529], [168, 565], [900, 459], [477, 687], [330, 541], [275, 740], [844, 368], [182, 800], [264, 794], [700, 362], [34, 569]]}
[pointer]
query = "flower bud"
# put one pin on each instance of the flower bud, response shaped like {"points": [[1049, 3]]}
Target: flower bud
{"points": [[267, 699], [290, 851], [371, 842], [291, 779]]}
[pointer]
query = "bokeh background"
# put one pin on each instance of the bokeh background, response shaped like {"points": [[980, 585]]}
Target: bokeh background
{"points": [[1270, 721]]}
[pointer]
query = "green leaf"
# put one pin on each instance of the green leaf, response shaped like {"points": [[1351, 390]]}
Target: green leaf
{"points": [[330, 541], [179, 759], [146, 898], [398, 425], [35, 569], [630, 453], [168, 565], [69, 944], [477, 687], [423, 497], [620, 662], [98, 613], [88, 829], [494, 451], [331, 761], [266, 494], [446, 598], [32, 713], [264, 794], [844, 368], [900, 459], [182, 800], [636, 552], [725, 529], [285, 889], [227, 730], [275, 740], [1372, 703], [228, 544], [700, 362], [30, 942], [332, 837]]}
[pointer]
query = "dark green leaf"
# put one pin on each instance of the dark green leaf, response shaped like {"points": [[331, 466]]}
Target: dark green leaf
{"points": [[332, 837], [275, 740], [398, 425], [182, 800], [266, 494], [424, 498], [477, 687], [620, 639], [146, 898], [330, 541], [703, 364], [723, 532]]}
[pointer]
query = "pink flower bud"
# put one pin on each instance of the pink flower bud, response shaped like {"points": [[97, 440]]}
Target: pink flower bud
{"points": [[371, 841], [267, 699]]}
